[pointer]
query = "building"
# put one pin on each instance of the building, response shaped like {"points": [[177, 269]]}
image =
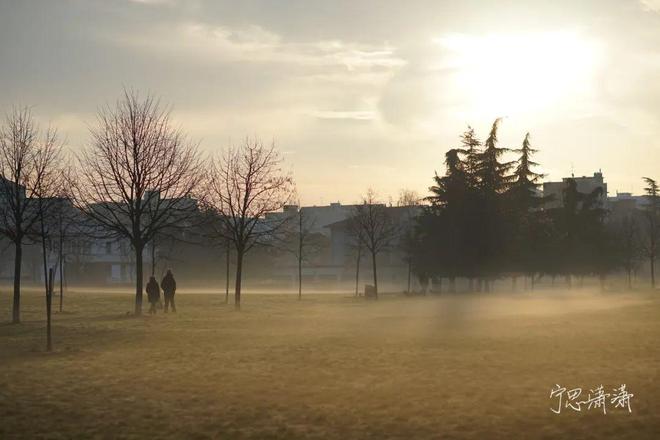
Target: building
{"points": [[31, 262], [585, 185], [334, 265], [91, 253], [392, 261], [317, 217], [627, 200]]}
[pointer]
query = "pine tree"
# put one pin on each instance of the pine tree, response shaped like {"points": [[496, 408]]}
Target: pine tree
{"points": [[492, 175], [470, 149], [450, 189], [444, 227], [580, 233], [525, 184], [652, 212], [525, 223], [493, 180]]}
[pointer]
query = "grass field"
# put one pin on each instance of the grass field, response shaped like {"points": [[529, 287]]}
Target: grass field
{"points": [[330, 366]]}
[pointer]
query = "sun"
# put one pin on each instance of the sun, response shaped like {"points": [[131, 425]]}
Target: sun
{"points": [[509, 74]]}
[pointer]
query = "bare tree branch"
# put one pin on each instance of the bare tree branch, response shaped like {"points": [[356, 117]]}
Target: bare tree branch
{"points": [[244, 185], [30, 173], [138, 176]]}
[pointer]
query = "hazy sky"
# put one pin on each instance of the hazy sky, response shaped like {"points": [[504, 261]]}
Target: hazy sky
{"points": [[356, 93]]}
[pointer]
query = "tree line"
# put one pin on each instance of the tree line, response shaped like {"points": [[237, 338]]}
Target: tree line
{"points": [[139, 178], [486, 217]]}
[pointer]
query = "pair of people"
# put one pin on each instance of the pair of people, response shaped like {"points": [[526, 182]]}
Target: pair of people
{"points": [[168, 284]]}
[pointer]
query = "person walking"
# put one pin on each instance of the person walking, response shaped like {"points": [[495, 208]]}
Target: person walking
{"points": [[153, 294], [169, 289]]}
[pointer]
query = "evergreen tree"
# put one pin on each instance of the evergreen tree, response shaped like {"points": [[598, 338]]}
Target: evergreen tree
{"points": [[629, 239], [580, 233], [449, 191], [524, 187], [492, 175], [444, 220], [652, 214], [526, 225], [493, 181], [484, 219], [470, 149]]}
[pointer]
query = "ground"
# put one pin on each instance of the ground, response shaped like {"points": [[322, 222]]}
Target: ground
{"points": [[330, 367]]}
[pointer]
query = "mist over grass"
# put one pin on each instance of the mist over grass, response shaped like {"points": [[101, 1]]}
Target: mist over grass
{"points": [[330, 366]]}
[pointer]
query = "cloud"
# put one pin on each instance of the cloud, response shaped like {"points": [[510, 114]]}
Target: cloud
{"points": [[355, 115], [153, 2], [254, 44], [333, 80], [651, 5]]}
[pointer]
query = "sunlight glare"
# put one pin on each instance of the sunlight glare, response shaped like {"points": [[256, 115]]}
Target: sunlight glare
{"points": [[506, 75]]}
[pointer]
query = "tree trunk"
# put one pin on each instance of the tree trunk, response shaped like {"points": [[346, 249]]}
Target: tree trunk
{"points": [[373, 263], [652, 271], [409, 274], [227, 275], [138, 280], [60, 257], [239, 278], [43, 254], [299, 278], [18, 259], [357, 272], [61, 261], [49, 303], [153, 257]]}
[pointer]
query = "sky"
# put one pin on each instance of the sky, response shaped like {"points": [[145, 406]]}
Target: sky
{"points": [[355, 94]]}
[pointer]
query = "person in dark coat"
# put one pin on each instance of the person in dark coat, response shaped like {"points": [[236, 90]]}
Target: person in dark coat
{"points": [[153, 294], [169, 289]]}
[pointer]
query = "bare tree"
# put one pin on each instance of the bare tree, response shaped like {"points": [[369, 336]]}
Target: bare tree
{"points": [[357, 246], [409, 197], [410, 201], [48, 204], [67, 228], [373, 228], [216, 235], [27, 160], [302, 242], [227, 264], [354, 249], [245, 184], [138, 176]]}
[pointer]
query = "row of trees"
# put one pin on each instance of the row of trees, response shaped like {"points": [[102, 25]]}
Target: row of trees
{"points": [[487, 218], [137, 179]]}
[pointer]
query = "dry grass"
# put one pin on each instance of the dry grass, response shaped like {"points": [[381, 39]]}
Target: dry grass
{"points": [[329, 367]]}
